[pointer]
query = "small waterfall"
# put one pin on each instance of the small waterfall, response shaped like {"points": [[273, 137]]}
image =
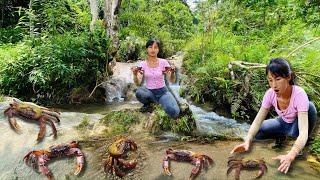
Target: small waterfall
{"points": [[210, 123], [115, 90]]}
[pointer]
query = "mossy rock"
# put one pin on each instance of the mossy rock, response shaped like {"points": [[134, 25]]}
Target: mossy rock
{"points": [[118, 122], [184, 125]]}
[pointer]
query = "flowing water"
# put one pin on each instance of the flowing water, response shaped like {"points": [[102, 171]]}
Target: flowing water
{"points": [[14, 146]]}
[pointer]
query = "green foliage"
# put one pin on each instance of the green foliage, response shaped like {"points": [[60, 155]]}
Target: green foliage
{"points": [[53, 17], [119, 121], [10, 35], [131, 48], [183, 125], [53, 66], [315, 147], [57, 53], [251, 31], [169, 21], [85, 123]]}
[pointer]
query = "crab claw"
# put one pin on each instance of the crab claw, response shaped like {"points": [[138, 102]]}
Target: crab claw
{"points": [[240, 150], [166, 167], [167, 171], [78, 169], [262, 168], [127, 164], [80, 162], [15, 125]]}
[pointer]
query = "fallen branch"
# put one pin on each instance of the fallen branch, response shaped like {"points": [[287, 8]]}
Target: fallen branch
{"points": [[296, 49], [244, 65], [94, 89]]}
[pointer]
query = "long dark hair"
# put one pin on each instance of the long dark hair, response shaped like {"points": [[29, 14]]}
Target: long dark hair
{"points": [[151, 41], [280, 67]]}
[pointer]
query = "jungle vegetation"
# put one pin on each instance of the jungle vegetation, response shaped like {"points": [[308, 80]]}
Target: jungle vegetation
{"points": [[252, 31], [47, 48]]}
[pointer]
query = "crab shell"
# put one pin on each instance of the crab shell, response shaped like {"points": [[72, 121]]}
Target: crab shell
{"points": [[121, 146], [239, 164]]}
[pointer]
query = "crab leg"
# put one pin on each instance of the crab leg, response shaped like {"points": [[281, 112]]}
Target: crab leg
{"points": [[42, 129], [43, 168], [51, 113], [108, 164], [196, 170], [165, 164], [54, 130], [238, 170], [39, 158], [51, 118], [80, 159], [127, 164], [262, 169], [12, 121], [207, 161], [117, 170]]}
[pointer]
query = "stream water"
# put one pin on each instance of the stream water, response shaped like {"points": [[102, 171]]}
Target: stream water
{"points": [[14, 146]]}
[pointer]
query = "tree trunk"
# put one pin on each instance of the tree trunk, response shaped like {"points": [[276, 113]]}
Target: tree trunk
{"points": [[111, 11], [94, 12]]}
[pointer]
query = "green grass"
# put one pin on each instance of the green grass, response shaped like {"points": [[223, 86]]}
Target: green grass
{"points": [[10, 52], [315, 147]]}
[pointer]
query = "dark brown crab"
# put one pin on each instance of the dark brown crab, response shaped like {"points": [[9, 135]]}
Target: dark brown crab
{"points": [[32, 111], [239, 164]]}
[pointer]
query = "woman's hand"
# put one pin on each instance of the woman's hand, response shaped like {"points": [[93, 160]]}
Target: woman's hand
{"points": [[135, 70], [241, 148], [285, 162], [171, 69]]}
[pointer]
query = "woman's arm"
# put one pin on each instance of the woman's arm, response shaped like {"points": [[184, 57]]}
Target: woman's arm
{"points": [[303, 134], [285, 160], [254, 128]]}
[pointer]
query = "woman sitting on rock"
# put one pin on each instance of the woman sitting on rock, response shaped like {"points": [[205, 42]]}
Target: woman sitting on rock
{"points": [[297, 115], [154, 70]]}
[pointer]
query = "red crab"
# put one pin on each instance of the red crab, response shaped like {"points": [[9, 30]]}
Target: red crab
{"points": [[198, 159], [239, 163], [39, 158]]}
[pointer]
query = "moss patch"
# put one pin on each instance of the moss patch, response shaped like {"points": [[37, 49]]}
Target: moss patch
{"points": [[184, 125], [118, 122], [84, 124]]}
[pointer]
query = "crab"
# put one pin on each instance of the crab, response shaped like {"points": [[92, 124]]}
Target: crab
{"points": [[118, 150], [240, 163], [198, 159], [32, 111], [39, 158]]}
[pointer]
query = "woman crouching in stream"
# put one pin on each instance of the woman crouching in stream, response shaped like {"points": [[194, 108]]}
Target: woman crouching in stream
{"points": [[154, 70], [297, 115]]}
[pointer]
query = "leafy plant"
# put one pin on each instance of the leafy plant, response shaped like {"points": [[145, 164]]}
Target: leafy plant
{"points": [[315, 147], [85, 123], [183, 125], [249, 31], [119, 121]]}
